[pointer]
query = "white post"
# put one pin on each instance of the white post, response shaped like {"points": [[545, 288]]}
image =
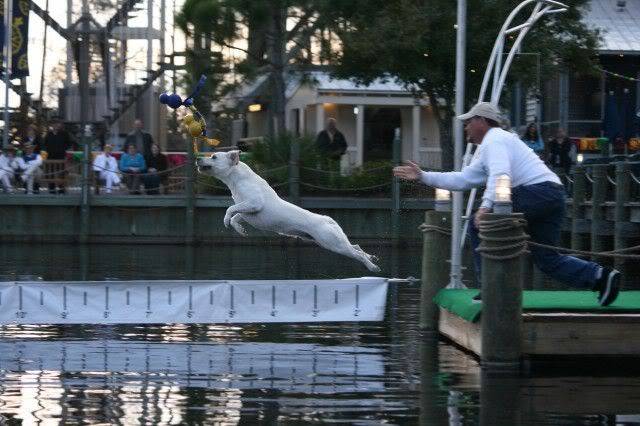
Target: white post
{"points": [[69, 65], [319, 117], [8, 52], [301, 123], [151, 96], [162, 134], [415, 132], [360, 136], [458, 134]]}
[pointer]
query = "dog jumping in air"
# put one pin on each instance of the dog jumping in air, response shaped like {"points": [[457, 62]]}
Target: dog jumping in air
{"points": [[257, 204]]}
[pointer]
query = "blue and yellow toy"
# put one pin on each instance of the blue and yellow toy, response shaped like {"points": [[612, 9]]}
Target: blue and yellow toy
{"points": [[194, 123]]}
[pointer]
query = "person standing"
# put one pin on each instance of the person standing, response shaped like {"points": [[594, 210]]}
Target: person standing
{"points": [[331, 142], [533, 140], [56, 143], [560, 151], [32, 136], [536, 192], [141, 139]]}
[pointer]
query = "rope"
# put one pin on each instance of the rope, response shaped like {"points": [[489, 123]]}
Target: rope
{"points": [[518, 244], [434, 228], [337, 172], [267, 171], [166, 171], [611, 181], [613, 253], [589, 178], [363, 188], [635, 179]]}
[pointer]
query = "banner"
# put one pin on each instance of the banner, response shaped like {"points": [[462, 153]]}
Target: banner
{"points": [[19, 36], [189, 302]]}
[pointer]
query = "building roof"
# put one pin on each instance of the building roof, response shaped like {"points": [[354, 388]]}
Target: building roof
{"points": [[323, 81], [619, 21], [249, 91]]}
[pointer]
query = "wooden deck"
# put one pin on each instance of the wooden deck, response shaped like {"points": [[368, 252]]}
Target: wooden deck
{"points": [[557, 333]]}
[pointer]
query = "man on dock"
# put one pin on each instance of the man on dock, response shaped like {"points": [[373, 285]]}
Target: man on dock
{"points": [[536, 192]]}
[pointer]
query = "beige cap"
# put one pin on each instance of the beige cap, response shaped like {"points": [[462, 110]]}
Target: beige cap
{"points": [[482, 109]]}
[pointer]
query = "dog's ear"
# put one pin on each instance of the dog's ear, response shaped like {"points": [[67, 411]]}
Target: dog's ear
{"points": [[235, 157]]}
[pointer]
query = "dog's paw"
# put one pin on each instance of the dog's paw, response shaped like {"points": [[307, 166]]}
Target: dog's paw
{"points": [[227, 221], [375, 268]]}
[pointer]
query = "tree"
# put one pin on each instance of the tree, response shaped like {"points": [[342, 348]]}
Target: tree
{"points": [[416, 42], [259, 30]]}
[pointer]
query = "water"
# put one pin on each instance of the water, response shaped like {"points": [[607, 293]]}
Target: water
{"points": [[364, 374]]}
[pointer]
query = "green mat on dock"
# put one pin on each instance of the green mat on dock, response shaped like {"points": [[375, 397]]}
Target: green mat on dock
{"points": [[460, 302]]}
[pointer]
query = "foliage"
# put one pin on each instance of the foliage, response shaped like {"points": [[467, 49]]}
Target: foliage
{"points": [[270, 159], [416, 41]]}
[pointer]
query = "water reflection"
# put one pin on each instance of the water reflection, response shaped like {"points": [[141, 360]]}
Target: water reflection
{"points": [[353, 373]]}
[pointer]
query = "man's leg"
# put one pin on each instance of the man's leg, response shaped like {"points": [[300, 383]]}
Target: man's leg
{"points": [[544, 208]]}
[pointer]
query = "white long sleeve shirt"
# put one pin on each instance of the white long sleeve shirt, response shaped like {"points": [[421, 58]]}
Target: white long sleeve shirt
{"points": [[501, 153]]}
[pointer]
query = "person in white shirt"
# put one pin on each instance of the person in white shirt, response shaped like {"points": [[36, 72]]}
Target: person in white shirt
{"points": [[106, 167], [29, 166], [536, 192], [6, 170]]}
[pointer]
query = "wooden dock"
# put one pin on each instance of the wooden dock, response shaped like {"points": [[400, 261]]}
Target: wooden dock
{"points": [[572, 332]]}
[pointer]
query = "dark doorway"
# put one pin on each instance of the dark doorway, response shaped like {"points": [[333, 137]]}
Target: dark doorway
{"points": [[379, 125]]}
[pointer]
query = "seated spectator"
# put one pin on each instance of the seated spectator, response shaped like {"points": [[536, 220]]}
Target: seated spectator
{"points": [[533, 140], [156, 165], [7, 173], [33, 137], [132, 165], [29, 168], [105, 167]]}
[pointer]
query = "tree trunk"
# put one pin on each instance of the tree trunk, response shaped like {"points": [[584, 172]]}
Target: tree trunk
{"points": [[277, 52], [256, 44], [444, 115]]}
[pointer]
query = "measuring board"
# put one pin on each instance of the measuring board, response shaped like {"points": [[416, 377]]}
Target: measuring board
{"points": [[162, 302], [296, 367]]}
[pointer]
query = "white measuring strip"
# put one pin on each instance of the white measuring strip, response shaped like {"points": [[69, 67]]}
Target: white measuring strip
{"points": [[240, 365], [162, 302]]}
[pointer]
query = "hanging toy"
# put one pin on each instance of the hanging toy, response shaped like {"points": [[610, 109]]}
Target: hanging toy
{"points": [[194, 123]]}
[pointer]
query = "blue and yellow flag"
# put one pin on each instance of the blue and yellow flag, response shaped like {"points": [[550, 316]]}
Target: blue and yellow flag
{"points": [[19, 38]]}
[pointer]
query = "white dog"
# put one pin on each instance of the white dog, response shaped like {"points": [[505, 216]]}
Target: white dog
{"points": [[258, 204]]}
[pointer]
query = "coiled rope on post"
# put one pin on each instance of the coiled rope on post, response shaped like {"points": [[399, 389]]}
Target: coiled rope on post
{"points": [[502, 248]]}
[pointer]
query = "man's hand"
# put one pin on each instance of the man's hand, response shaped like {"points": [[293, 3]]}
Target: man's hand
{"points": [[411, 171], [478, 217]]}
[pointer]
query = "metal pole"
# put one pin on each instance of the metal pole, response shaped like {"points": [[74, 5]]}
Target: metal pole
{"points": [[395, 188], [83, 79], [456, 214], [190, 194], [69, 64], [8, 21], [151, 95]]}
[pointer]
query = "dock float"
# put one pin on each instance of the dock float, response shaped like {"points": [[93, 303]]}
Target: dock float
{"points": [[554, 323]]}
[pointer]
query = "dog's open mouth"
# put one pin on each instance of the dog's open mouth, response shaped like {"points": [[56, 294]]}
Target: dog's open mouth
{"points": [[205, 167]]}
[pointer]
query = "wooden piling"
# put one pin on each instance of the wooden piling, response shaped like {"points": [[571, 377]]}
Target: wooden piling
{"points": [[578, 219], [598, 197], [501, 291], [621, 214], [435, 271], [294, 172]]}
